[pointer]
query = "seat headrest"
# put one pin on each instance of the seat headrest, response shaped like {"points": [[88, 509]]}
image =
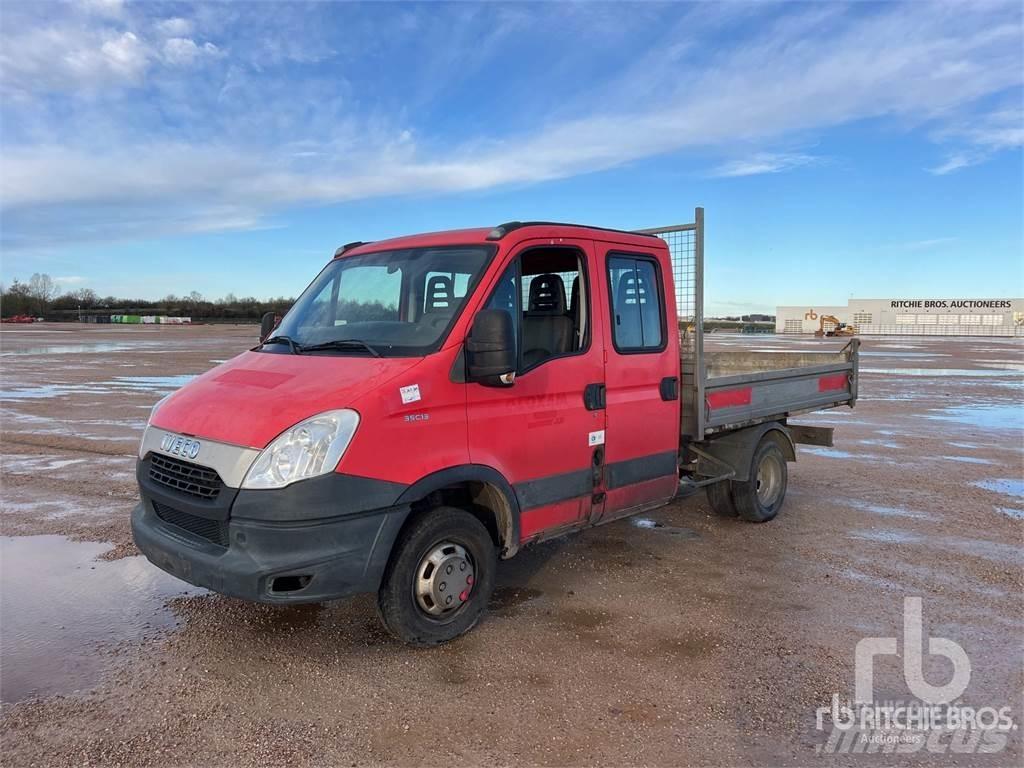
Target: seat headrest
{"points": [[440, 294], [633, 289], [547, 295]]}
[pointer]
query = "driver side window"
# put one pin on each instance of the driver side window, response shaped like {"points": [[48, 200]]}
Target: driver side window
{"points": [[544, 290]]}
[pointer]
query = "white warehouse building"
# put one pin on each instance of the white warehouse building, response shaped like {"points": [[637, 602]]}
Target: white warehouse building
{"points": [[913, 317]]}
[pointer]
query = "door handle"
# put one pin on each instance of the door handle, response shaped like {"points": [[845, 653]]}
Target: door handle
{"points": [[593, 397], [669, 388]]}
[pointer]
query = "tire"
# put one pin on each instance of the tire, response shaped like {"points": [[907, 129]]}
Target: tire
{"points": [[442, 542], [720, 498], [759, 499]]}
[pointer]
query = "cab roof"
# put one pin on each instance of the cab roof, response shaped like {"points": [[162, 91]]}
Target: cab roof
{"points": [[513, 231]]}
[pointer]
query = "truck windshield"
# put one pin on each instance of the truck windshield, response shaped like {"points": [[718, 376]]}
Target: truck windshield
{"points": [[398, 303]]}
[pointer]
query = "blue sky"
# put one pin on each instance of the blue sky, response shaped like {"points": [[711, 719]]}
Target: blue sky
{"points": [[839, 150]]}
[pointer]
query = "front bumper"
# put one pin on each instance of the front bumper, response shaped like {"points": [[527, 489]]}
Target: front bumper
{"points": [[326, 559], [312, 541]]}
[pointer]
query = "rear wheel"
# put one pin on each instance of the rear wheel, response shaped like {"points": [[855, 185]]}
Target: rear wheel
{"points": [[440, 577], [760, 498], [720, 498]]}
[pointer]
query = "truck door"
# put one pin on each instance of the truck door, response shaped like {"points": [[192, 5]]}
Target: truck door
{"points": [[641, 379], [545, 433]]}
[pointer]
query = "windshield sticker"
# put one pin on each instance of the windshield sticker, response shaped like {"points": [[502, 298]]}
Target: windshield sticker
{"points": [[410, 394], [596, 438]]}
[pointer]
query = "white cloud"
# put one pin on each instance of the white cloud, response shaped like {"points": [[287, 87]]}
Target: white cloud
{"points": [[183, 51], [255, 142], [764, 162], [955, 163], [981, 137], [112, 8], [60, 58], [125, 55], [65, 52], [174, 27], [922, 245]]}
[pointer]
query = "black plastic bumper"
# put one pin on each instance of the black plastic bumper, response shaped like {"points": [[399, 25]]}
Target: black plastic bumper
{"points": [[326, 558]]}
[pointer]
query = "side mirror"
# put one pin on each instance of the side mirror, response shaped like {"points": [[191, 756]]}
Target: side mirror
{"points": [[491, 349], [267, 325]]}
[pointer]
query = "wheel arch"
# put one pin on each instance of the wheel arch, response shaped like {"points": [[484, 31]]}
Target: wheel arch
{"points": [[736, 449], [484, 492]]}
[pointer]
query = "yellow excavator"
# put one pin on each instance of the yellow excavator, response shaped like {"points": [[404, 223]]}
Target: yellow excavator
{"points": [[838, 328]]}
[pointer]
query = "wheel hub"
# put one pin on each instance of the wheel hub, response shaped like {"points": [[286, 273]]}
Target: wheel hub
{"points": [[769, 480], [445, 579]]}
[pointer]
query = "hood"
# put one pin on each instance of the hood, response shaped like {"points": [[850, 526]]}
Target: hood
{"points": [[251, 399]]}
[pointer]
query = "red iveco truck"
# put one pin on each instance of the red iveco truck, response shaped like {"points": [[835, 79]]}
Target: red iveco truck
{"points": [[434, 402]]}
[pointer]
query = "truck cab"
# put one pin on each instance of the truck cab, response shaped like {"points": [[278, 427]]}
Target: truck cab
{"points": [[429, 404]]}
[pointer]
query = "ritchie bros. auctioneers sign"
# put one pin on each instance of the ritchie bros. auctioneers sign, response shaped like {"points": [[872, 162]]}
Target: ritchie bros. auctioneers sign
{"points": [[952, 304]]}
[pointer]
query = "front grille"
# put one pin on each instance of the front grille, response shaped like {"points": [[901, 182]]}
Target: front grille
{"points": [[201, 482], [211, 530]]}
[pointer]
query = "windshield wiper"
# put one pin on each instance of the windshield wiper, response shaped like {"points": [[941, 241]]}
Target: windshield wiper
{"points": [[292, 344], [342, 344]]}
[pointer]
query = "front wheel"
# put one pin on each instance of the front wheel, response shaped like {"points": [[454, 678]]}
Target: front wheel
{"points": [[440, 577], [760, 498]]}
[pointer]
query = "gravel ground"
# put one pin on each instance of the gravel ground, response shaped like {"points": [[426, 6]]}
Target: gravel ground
{"points": [[688, 640]]}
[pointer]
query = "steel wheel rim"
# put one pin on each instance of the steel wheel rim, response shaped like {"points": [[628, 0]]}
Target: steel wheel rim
{"points": [[445, 578], [769, 480]]}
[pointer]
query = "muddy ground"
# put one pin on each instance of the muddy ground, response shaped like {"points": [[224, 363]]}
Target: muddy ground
{"points": [[680, 639]]}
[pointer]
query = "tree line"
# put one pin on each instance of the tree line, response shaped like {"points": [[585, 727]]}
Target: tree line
{"points": [[40, 296]]}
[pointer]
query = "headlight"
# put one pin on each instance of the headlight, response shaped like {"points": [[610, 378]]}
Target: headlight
{"points": [[156, 408], [310, 448]]}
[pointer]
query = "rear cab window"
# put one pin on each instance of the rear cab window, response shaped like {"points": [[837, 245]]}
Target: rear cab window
{"points": [[637, 303]]}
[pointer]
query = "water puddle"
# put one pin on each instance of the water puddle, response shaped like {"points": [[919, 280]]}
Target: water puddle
{"points": [[968, 459], [1015, 514], [996, 551], [60, 607], [33, 465], [1013, 487], [880, 443], [892, 398], [896, 353], [652, 525], [48, 391], [119, 384], [879, 509], [1009, 416], [832, 453], [787, 349], [1003, 365], [887, 536], [69, 349], [154, 383], [941, 372]]}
